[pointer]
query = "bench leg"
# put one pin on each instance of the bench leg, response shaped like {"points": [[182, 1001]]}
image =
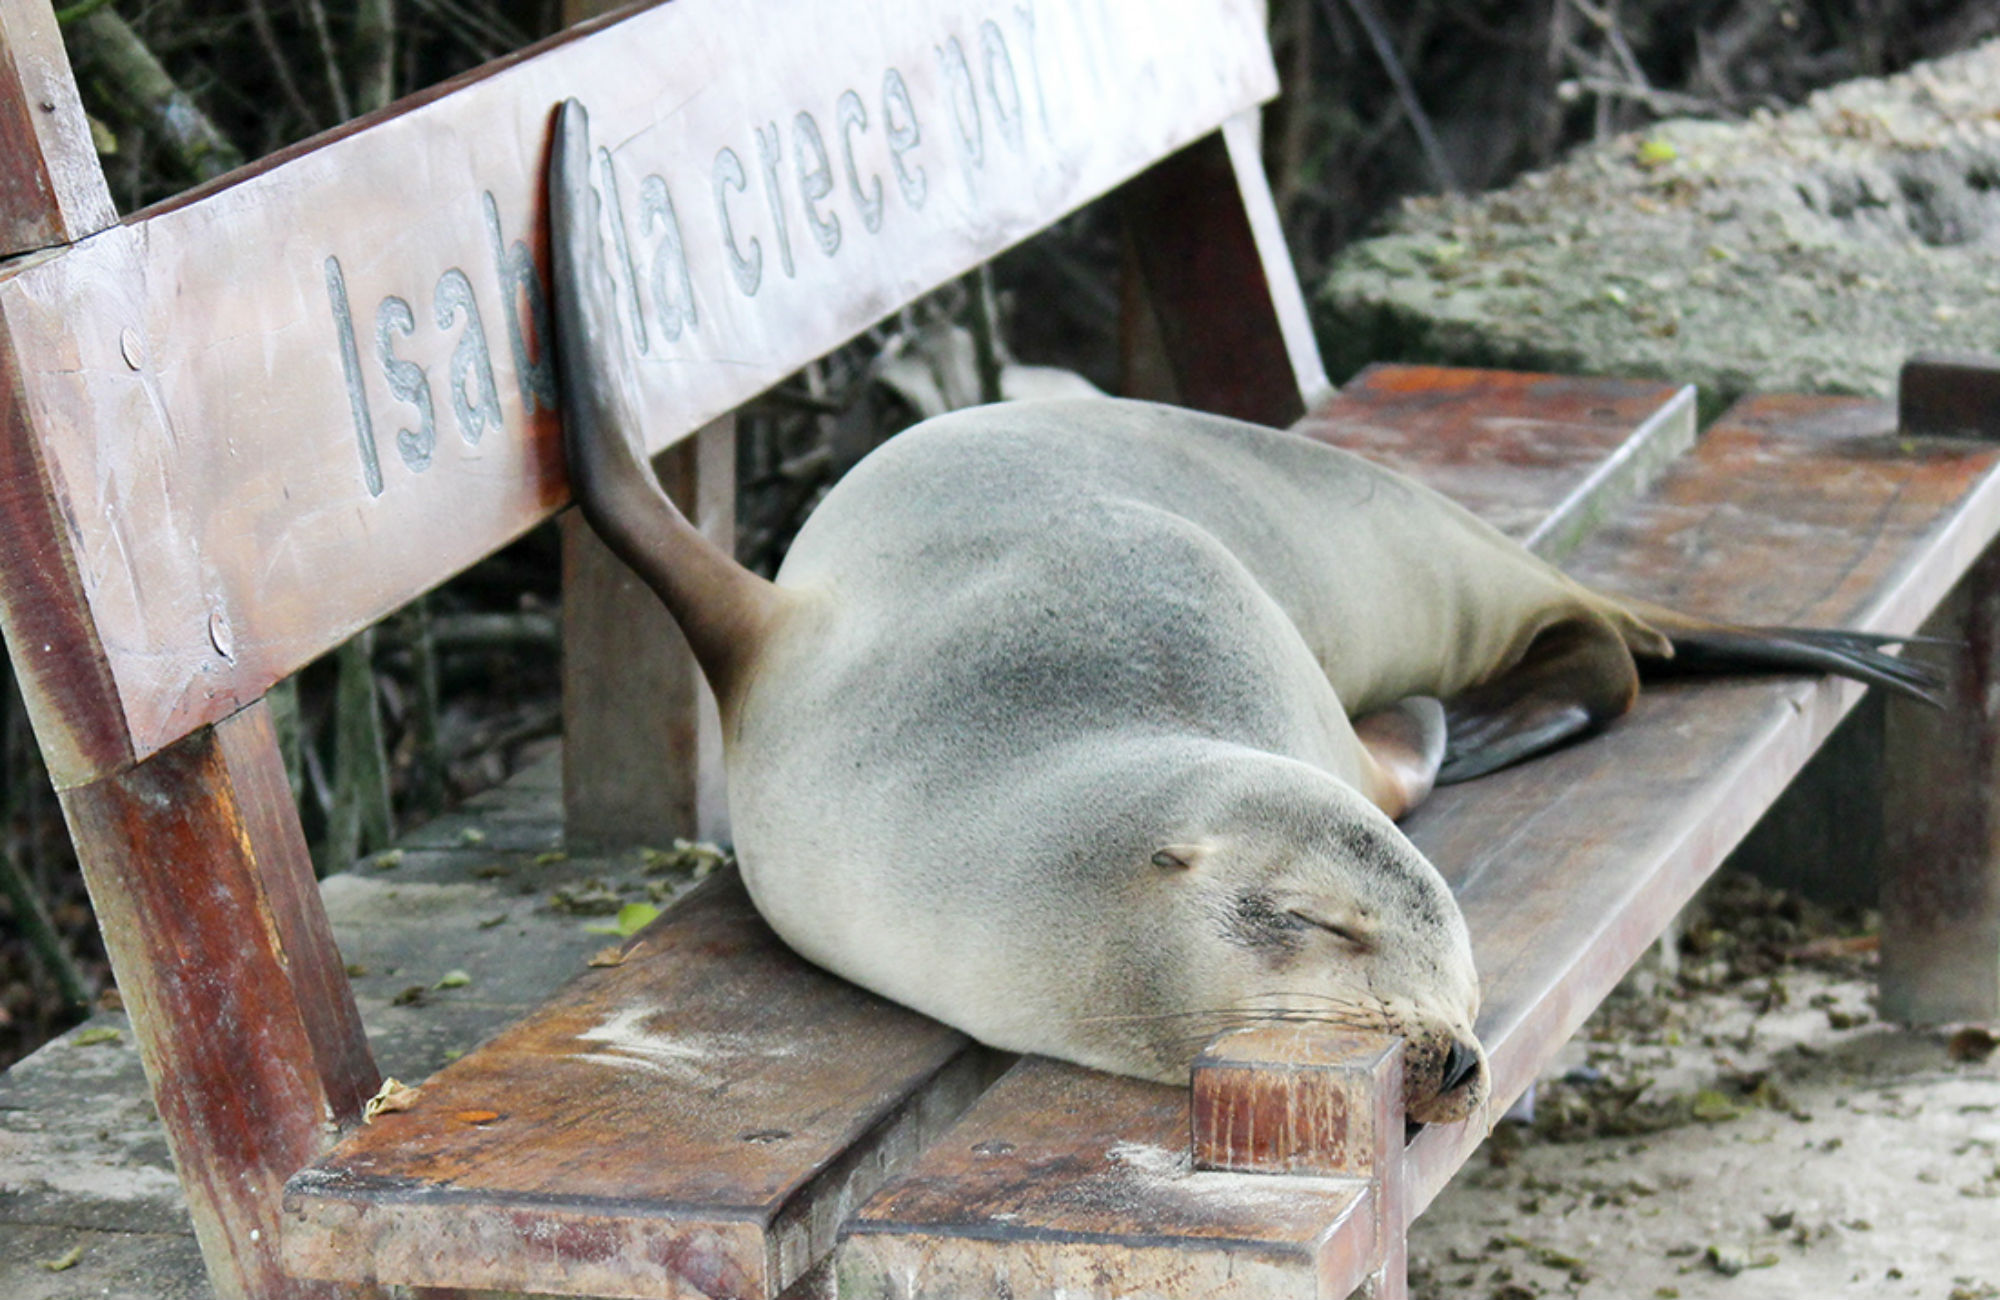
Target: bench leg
{"points": [[642, 745], [1941, 883], [239, 1000]]}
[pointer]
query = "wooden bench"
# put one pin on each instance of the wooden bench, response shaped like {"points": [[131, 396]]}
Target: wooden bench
{"points": [[244, 424]]}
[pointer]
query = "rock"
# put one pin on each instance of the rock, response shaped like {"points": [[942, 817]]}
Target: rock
{"points": [[1811, 250]]}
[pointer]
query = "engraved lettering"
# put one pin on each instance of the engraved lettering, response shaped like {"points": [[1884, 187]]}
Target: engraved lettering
{"points": [[767, 154], [1003, 90], [534, 370], [407, 381], [350, 365], [609, 199], [1025, 13], [673, 288], [853, 113], [899, 121], [475, 398], [815, 181], [729, 176], [964, 102]]}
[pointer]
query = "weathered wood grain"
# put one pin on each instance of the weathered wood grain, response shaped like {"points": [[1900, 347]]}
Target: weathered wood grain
{"points": [[1543, 458], [1216, 280], [1064, 1181], [248, 1029], [1297, 1099], [269, 450], [1293, 1099], [693, 1122], [1791, 510], [1940, 880], [642, 744], [65, 677], [51, 189]]}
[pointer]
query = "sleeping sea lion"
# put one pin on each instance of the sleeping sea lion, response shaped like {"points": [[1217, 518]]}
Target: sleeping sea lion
{"points": [[1082, 725]]}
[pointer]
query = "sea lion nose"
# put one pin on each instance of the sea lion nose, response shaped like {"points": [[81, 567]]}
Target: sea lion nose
{"points": [[1460, 1064]]}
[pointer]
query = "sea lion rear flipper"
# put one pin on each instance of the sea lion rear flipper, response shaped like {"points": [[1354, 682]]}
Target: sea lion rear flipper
{"points": [[726, 611], [1576, 676], [1701, 646]]}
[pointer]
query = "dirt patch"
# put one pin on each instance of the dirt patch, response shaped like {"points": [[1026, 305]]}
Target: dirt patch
{"points": [[1741, 1126]]}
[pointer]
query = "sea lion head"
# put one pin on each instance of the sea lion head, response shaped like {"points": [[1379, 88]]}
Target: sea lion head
{"points": [[1274, 892]]}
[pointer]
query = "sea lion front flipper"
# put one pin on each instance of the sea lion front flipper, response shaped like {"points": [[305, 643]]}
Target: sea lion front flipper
{"points": [[1576, 676], [1407, 743]]}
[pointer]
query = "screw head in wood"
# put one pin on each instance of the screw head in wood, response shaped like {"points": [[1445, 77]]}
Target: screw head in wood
{"points": [[219, 635]]}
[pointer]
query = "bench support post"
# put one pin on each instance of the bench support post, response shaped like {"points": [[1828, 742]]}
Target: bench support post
{"points": [[642, 745], [240, 1002], [1214, 316], [53, 191], [1290, 1099], [1941, 885]]}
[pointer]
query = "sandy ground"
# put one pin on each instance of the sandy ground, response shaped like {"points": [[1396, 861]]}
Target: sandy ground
{"points": [[1742, 1126]]}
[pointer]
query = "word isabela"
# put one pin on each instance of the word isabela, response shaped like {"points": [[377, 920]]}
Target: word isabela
{"points": [[802, 185]]}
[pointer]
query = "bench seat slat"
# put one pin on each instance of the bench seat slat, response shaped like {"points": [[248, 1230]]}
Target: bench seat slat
{"points": [[954, 1224], [1542, 458], [1025, 1198], [700, 1116], [1567, 867], [1798, 510]]}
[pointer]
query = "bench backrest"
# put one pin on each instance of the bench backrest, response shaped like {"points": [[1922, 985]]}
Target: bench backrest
{"points": [[239, 426], [271, 411]]}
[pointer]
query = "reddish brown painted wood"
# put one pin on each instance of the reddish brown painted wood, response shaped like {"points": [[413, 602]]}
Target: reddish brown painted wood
{"points": [[51, 189], [1068, 1181], [642, 745], [65, 677], [1216, 286], [238, 998], [693, 1122], [1294, 1099], [1941, 861], [1290, 1099], [211, 420], [1543, 458], [1797, 510]]}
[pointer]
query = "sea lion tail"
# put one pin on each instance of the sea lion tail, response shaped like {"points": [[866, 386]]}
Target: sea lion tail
{"points": [[1700, 646], [725, 610]]}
